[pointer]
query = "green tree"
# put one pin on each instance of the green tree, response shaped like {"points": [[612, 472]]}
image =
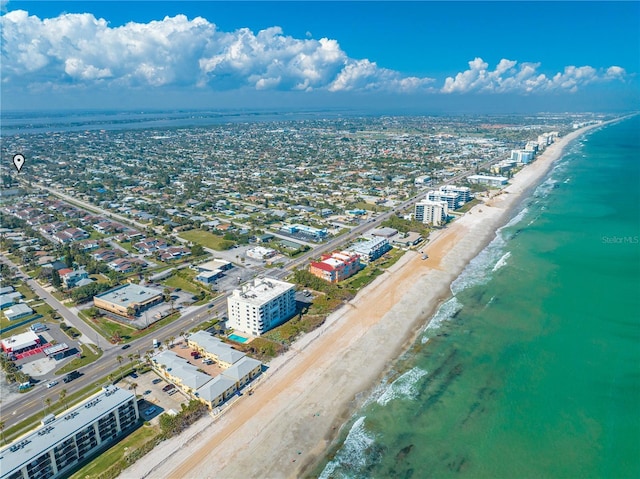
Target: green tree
{"points": [[120, 359], [63, 397], [56, 282], [197, 250]]}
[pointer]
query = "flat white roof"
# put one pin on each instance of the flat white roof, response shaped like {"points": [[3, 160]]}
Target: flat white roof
{"points": [[70, 422], [213, 265], [261, 291], [20, 341], [128, 294]]}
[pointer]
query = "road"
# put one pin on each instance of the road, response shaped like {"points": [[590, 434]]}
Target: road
{"points": [[89, 334], [25, 406], [21, 408], [91, 207]]}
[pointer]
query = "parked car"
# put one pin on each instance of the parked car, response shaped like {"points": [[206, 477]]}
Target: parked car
{"points": [[156, 381], [147, 392], [150, 411], [51, 384], [168, 387]]}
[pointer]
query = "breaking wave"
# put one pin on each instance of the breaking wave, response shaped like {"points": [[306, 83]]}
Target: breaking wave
{"points": [[502, 261], [403, 387], [352, 455]]}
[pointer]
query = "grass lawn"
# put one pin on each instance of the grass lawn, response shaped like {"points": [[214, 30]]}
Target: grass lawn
{"points": [[26, 292], [393, 256], [5, 323], [58, 295], [128, 246], [468, 205], [176, 281], [206, 239], [100, 278], [94, 235], [363, 278], [87, 357], [114, 457], [108, 328]]}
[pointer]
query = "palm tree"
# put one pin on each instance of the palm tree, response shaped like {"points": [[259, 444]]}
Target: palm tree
{"points": [[120, 359], [172, 339], [2, 430], [47, 401], [133, 386], [63, 397], [111, 377], [131, 357]]}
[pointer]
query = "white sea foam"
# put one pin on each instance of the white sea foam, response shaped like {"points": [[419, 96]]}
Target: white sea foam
{"points": [[502, 261], [352, 454], [445, 312], [403, 387], [479, 268]]}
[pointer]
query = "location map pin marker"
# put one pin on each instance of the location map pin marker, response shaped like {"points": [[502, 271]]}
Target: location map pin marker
{"points": [[18, 161]]}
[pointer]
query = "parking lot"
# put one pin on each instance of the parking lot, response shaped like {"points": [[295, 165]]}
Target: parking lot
{"points": [[149, 387], [185, 351]]}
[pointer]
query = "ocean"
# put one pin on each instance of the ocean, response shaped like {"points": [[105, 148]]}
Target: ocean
{"points": [[532, 368]]}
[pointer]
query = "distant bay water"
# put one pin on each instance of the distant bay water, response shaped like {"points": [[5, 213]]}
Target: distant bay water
{"points": [[532, 368], [26, 123]]}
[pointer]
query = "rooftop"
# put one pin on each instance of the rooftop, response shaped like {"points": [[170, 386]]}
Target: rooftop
{"points": [[129, 294], [32, 445], [261, 291]]}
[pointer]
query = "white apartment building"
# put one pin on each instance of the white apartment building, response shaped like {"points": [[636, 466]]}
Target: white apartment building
{"points": [[56, 447], [450, 197], [522, 156], [432, 212], [463, 191], [261, 306], [495, 181]]}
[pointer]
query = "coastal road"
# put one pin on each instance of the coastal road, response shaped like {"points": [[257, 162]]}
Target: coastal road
{"points": [[364, 227], [108, 363], [29, 404]]}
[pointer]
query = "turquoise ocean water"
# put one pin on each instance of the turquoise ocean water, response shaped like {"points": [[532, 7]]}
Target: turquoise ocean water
{"points": [[532, 368]]}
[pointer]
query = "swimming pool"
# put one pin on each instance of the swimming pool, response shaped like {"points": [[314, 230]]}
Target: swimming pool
{"points": [[237, 339]]}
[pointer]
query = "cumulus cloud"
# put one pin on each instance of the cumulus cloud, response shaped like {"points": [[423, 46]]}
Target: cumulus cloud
{"points": [[510, 76], [78, 49]]}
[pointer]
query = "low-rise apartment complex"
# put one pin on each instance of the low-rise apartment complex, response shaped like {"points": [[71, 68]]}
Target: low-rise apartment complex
{"points": [[336, 266]]}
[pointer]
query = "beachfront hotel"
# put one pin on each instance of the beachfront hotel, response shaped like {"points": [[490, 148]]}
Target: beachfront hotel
{"points": [[433, 213], [336, 266], [60, 444], [261, 306], [120, 299]]}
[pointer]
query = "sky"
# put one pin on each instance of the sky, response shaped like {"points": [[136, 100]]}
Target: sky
{"points": [[430, 56]]}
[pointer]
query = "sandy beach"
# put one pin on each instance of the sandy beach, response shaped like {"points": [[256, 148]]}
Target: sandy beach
{"points": [[297, 409]]}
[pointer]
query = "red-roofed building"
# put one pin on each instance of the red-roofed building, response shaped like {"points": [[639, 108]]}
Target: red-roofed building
{"points": [[336, 266]]}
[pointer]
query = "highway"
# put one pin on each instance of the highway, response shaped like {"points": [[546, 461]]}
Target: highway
{"points": [[26, 406]]}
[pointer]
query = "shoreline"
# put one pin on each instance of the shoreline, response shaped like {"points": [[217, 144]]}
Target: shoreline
{"points": [[295, 414]]}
